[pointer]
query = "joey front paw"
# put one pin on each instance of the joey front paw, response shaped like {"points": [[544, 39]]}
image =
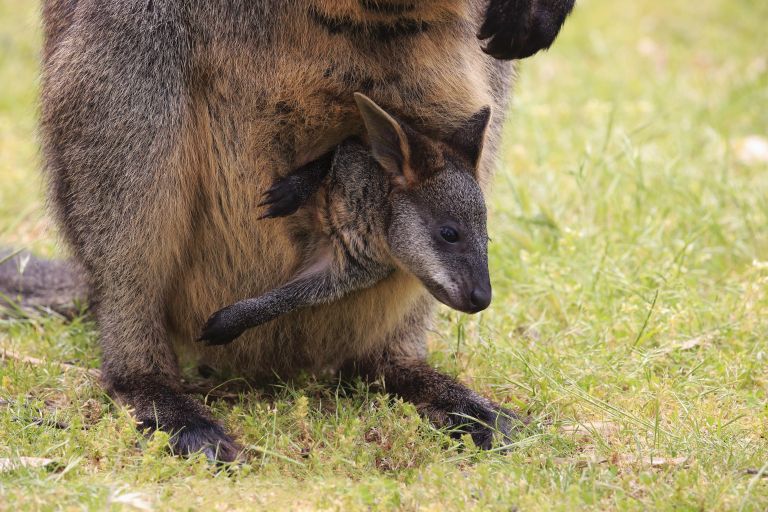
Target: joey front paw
{"points": [[219, 329], [282, 199]]}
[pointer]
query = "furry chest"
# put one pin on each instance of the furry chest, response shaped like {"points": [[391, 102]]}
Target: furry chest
{"points": [[418, 59]]}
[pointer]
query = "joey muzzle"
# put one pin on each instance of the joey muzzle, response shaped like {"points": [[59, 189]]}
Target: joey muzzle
{"points": [[480, 298], [477, 290], [477, 295], [468, 297]]}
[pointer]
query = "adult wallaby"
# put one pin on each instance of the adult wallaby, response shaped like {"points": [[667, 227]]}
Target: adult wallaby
{"points": [[164, 121], [407, 202]]}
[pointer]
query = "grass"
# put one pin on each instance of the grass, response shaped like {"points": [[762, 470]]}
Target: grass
{"points": [[630, 266]]}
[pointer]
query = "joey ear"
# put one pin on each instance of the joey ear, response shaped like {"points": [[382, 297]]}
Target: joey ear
{"points": [[389, 142], [469, 138]]}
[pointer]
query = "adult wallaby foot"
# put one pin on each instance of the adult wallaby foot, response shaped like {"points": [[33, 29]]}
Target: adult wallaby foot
{"points": [[446, 402], [192, 430]]}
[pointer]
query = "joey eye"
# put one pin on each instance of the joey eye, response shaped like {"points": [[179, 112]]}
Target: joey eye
{"points": [[449, 234]]}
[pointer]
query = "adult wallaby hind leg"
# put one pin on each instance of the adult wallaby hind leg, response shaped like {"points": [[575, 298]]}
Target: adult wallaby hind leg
{"points": [[140, 369], [442, 399], [116, 121], [139, 366], [447, 403], [32, 283]]}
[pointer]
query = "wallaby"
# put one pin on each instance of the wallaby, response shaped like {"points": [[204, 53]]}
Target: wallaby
{"points": [[427, 218], [164, 121]]}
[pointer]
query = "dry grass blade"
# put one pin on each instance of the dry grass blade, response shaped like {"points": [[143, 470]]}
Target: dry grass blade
{"points": [[7, 464], [624, 460], [130, 499], [688, 344], [8, 257], [602, 428], [650, 460], [14, 356]]}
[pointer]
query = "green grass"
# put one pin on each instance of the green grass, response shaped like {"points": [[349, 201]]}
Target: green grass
{"points": [[630, 266]]}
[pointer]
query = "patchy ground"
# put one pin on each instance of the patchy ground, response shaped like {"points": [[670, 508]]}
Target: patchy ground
{"points": [[630, 262]]}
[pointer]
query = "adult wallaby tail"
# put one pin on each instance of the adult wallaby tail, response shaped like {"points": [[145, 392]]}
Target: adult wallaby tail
{"points": [[34, 284]]}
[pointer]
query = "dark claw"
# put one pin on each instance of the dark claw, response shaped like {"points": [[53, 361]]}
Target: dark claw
{"points": [[195, 433], [488, 426], [497, 425], [282, 199], [207, 438]]}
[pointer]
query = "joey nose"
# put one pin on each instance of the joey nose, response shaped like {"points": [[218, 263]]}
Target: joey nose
{"points": [[480, 298]]}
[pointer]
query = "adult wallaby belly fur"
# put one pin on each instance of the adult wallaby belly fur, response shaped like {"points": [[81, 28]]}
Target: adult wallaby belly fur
{"points": [[164, 121]]}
